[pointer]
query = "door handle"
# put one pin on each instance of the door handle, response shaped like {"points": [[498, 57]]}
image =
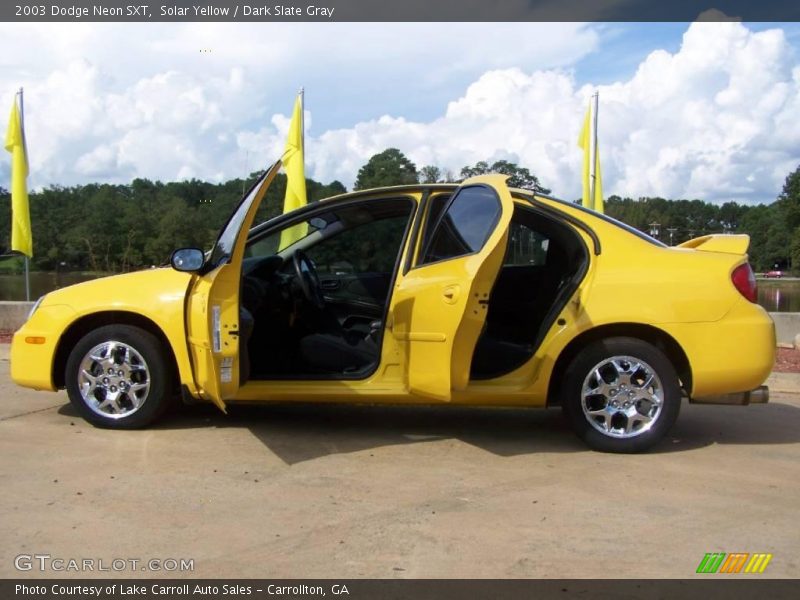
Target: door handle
{"points": [[329, 284], [451, 293]]}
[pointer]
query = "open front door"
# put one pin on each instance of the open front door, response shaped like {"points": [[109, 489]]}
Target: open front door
{"points": [[213, 315], [440, 305]]}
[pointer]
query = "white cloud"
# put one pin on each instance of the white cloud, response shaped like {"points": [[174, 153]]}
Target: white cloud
{"points": [[715, 120], [114, 101]]}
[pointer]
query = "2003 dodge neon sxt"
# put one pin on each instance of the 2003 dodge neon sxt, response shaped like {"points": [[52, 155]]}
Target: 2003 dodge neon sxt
{"points": [[471, 294]]}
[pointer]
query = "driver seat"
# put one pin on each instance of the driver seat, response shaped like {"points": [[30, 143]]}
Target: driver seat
{"points": [[331, 352]]}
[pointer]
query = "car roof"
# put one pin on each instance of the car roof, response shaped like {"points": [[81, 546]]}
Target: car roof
{"points": [[518, 193], [417, 187]]}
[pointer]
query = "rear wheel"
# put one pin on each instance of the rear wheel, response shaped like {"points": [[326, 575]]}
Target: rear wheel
{"points": [[621, 395], [119, 377]]}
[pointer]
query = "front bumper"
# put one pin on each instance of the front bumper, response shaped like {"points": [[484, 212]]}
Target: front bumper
{"points": [[760, 395], [34, 345]]}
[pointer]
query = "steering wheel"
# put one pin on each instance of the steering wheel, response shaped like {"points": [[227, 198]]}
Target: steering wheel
{"points": [[307, 278]]}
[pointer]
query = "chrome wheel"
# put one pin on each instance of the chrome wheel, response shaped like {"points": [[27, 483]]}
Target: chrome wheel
{"points": [[622, 397], [113, 379]]}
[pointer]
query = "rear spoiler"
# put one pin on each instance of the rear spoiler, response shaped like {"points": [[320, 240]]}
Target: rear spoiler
{"points": [[719, 242]]}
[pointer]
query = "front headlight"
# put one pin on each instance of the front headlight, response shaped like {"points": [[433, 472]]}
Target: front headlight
{"points": [[35, 306]]}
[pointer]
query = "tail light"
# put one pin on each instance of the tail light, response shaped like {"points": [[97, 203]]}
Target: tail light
{"points": [[744, 280]]}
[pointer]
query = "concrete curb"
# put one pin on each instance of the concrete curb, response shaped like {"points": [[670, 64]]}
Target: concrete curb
{"points": [[784, 382], [13, 314], [787, 327]]}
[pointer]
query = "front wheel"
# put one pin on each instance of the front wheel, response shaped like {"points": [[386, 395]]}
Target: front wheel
{"points": [[621, 395], [120, 377]]}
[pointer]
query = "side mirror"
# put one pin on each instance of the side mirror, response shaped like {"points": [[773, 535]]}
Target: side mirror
{"points": [[187, 260]]}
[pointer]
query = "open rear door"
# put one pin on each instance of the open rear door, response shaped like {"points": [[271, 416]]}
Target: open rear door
{"points": [[440, 305], [212, 306]]}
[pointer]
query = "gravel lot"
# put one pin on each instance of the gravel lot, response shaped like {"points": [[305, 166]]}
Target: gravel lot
{"points": [[304, 491]]}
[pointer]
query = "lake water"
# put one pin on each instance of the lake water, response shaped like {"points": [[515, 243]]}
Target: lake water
{"points": [[779, 295], [776, 295], [12, 287]]}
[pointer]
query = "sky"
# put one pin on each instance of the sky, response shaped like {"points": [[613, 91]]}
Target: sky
{"points": [[702, 110]]}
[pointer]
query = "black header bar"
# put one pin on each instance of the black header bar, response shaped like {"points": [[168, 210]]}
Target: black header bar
{"points": [[397, 10], [395, 589]]}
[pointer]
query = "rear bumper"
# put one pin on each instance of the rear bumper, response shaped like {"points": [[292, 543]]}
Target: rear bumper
{"points": [[760, 395], [730, 355]]}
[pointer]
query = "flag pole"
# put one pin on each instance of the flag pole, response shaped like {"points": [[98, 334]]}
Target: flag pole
{"points": [[22, 127], [303, 123], [593, 152]]}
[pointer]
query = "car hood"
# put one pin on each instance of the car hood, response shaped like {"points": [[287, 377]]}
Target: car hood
{"points": [[138, 291]]}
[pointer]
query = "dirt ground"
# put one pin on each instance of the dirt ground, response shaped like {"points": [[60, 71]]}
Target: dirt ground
{"points": [[305, 491], [787, 360]]}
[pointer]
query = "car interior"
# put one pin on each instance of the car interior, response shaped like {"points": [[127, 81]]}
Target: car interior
{"points": [[318, 305], [315, 307], [544, 262]]}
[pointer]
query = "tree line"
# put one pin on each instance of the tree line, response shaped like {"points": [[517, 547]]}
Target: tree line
{"points": [[112, 228]]}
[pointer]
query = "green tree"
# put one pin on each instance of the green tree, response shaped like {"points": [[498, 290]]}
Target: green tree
{"points": [[730, 214], [788, 207], [122, 227], [789, 199], [390, 167], [430, 174], [519, 177], [770, 239]]}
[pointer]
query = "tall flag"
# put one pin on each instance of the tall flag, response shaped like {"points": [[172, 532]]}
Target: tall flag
{"points": [[21, 238], [294, 166], [592, 177]]}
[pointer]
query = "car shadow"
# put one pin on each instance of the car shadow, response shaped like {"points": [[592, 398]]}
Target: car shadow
{"points": [[301, 432], [703, 425]]}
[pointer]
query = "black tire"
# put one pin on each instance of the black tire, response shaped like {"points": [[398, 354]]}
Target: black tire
{"points": [[602, 432], [157, 373]]}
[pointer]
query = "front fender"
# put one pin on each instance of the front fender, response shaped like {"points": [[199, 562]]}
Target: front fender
{"points": [[156, 295]]}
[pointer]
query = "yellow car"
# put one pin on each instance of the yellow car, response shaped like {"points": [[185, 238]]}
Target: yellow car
{"points": [[471, 294]]}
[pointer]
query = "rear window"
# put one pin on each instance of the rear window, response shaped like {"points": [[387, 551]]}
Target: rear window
{"points": [[638, 233]]}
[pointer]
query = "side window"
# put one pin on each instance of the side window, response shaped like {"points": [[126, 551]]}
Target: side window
{"points": [[368, 248], [465, 226], [526, 247]]}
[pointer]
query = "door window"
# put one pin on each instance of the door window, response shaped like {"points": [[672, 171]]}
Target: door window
{"points": [[466, 224]]}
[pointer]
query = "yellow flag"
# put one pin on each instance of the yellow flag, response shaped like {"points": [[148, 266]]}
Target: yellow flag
{"points": [[21, 238], [584, 142], [293, 164]]}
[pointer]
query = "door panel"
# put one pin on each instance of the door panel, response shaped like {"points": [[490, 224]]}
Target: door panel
{"points": [[213, 318], [357, 300], [440, 306]]}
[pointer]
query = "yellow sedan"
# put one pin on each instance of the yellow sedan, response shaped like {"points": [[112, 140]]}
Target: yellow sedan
{"points": [[470, 294]]}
